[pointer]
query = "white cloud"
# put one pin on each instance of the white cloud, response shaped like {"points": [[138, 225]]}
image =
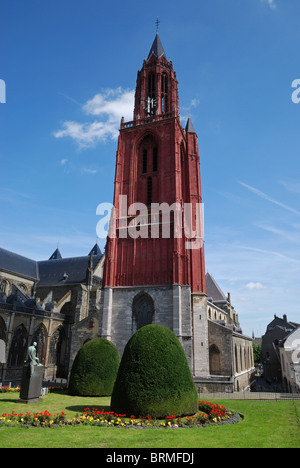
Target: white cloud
{"points": [[292, 186], [89, 171], [195, 102], [253, 286], [109, 107], [115, 103], [270, 199], [63, 162], [271, 3], [272, 253]]}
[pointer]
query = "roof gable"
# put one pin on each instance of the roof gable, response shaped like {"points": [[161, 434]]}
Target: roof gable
{"points": [[213, 290]]}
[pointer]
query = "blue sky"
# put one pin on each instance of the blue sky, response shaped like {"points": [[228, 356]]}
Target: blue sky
{"points": [[70, 70]]}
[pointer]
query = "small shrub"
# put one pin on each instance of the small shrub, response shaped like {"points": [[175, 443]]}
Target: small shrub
{"points": [[94, 369], [154, 377]]}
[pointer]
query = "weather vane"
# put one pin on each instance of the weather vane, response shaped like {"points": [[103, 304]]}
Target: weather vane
{"points": [[157, 22]]}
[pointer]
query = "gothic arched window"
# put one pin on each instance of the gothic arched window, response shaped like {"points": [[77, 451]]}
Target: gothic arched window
{"points": [[58, 348], [145, 161], [151, 94], [18, 347], [3, 287], [2, 330], [214, 360], [149, 191], [40, 337], [142, 311], [164, 93], [155, 159]]}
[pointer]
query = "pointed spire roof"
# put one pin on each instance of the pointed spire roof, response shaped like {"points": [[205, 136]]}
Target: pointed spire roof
{"points": [[95, 250], [56, 255], [157, 48], [189, 126]]}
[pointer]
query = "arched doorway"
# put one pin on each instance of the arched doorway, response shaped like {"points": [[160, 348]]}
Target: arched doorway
{"points": [[142, 311]]}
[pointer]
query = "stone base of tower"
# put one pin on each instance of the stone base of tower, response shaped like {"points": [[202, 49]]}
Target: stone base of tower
{"points": [[200, 336], [125, 309]]}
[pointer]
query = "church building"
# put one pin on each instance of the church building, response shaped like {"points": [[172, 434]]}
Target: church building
{"points": [[153, 269]]}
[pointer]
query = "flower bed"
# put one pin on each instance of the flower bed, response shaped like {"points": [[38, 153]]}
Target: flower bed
{"points": [[209, 413], [44, 419], [8, 389]]}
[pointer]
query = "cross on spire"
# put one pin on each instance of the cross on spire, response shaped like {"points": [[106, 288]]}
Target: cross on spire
{"points": [[157, 22]]}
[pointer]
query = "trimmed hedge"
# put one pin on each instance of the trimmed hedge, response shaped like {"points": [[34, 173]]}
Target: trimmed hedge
{"points": [[94, 369], [154, 377]]}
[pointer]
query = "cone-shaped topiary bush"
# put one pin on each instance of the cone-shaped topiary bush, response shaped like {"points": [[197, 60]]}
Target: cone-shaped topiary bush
{"points": [[154, 377], [94, 369]]}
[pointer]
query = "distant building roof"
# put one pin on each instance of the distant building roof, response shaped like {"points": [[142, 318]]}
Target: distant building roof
{"points": [[14, 263], [65, 271], [213, 290], [282, 324], [56, 271]]}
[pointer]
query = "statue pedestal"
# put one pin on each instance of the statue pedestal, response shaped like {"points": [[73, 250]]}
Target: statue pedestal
{"points": [[31, 384]]}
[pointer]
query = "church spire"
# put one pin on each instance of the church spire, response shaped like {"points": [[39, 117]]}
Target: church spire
{"points": [[189, 126], [157, 48]]}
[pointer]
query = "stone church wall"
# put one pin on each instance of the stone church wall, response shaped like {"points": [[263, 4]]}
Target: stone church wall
{"points": [[221, 338]]}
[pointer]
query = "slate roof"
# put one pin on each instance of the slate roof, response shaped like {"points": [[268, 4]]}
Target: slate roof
{"points": [[56, 255], [15, 263], [56, 271], [157, 48], [95, 250], [213, 290], [65, 271], [189, 126]]}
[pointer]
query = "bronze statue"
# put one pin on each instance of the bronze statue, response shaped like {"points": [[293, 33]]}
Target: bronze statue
{"points": [[33, 359]]}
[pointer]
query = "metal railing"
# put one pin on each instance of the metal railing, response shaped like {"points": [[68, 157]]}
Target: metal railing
{"points": [[266, 396]]}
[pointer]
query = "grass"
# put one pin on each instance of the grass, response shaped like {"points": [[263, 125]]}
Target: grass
{"points": [[265, 425]]}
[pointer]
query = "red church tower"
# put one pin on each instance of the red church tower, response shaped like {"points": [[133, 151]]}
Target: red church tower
{"points": [[154, 268]]}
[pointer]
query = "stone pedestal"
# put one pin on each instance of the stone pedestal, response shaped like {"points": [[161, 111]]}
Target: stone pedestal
{"points": [[31, 384]]}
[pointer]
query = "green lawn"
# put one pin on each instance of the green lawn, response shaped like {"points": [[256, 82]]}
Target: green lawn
{"points": [[265, 425]]}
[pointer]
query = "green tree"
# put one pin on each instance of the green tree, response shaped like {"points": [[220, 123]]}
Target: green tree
{"points": [[256, 353]]}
